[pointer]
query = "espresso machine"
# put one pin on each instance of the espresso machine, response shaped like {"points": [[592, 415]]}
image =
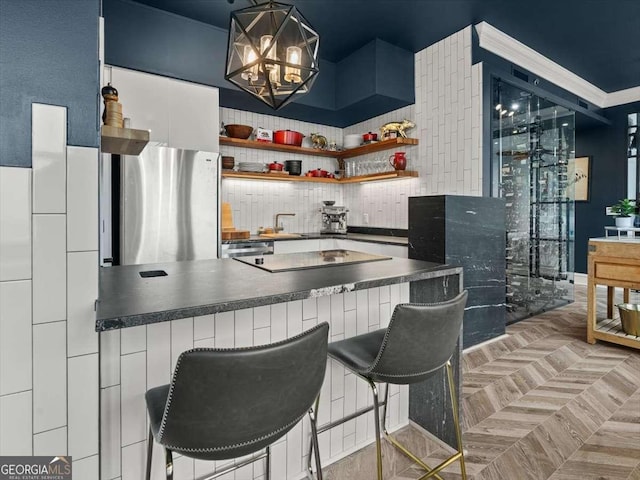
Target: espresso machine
{"points": [[334, 219]]}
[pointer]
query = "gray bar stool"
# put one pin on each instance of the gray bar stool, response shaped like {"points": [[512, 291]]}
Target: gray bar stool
{"points": [[228, 403], [418, 343]]}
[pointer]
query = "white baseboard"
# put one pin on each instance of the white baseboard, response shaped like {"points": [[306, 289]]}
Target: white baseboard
{"points": [[580, 279]]}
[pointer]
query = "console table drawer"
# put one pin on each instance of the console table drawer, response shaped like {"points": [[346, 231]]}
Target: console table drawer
{"points": [[616, 271]]}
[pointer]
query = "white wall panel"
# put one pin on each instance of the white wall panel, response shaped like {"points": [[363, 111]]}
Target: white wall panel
{"points": [[133, 461], [110, 448], [158, 354], [49, 376], [48, 147], [83, 394], [133, 339], [110, 358], [87, 468], [15, 223], [52, 443], [15, 418], [181, 338], [49, 268], [133, 409], [15, 337], [82, 271], [82, 199]]}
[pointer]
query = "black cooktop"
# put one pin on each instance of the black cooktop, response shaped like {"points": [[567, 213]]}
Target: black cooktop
{"points": [[300, 261]]}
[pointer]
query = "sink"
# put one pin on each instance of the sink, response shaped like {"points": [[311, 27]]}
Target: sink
{"points": [[280, 235]]}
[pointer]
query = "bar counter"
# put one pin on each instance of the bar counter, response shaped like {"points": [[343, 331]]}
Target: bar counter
{"points": [[145, 323]]}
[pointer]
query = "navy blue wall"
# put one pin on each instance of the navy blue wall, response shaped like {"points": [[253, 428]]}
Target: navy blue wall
{"points": [[48, 54], [607, 146], [144, 38]]}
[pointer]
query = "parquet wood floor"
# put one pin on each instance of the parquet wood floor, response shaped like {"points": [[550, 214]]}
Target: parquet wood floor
{"points": [[539, 403]]}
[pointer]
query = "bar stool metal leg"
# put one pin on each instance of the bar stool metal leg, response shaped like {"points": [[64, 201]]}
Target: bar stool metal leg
{"points": [[149, 454], [459, 455], [314, 441], [376, 412], [267, 466], [397, 444], [168, 456], [456, 419]]}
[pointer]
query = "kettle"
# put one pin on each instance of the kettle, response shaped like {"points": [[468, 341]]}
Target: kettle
{"points": [[398, 160]]}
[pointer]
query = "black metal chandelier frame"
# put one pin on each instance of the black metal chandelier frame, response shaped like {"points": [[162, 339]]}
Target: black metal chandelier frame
{"points": [[261, 75]]}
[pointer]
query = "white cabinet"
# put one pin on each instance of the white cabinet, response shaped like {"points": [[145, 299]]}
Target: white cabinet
{"points": [[177, 114], [295, 246]]}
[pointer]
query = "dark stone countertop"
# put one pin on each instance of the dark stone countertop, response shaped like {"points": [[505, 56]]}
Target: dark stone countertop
{"points": [[203, 287], [360, 237]]}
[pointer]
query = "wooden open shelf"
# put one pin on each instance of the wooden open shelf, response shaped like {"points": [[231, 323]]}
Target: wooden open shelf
{"points": [[302, 178], [123, 141], [350, 153], [376, 147], [277, 147], [610, 330]]}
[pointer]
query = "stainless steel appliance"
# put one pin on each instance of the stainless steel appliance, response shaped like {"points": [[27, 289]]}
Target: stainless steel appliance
{"points": [[244, 249], [334, 219], [168, 206], [287, 262]]}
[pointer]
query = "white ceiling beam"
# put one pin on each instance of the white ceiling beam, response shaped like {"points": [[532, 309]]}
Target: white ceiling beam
{"points": [[501, 44]]}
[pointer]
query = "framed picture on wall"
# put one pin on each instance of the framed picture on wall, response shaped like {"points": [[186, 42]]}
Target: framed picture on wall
{"points": [[583, 174]]}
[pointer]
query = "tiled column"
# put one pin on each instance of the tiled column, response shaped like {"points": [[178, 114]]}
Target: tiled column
{"points": [[48, 286]]}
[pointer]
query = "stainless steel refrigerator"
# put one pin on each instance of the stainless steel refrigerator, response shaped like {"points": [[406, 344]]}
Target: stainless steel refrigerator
{"points": [[168, 206]]}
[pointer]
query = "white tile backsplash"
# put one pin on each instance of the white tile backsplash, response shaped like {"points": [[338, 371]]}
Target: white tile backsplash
{"points": [[51, 443], [87, 468], [49, 376], [49, 268], [82, 198], [110, 448], [15, 418], [15, 336], [15, 223], [84, 392], [133, 411], [82, 292], [48, 147]]}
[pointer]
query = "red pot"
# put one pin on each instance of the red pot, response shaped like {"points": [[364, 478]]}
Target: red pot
{"points": [[275, 166], [288, 137], [318, 173], [370, 137]]}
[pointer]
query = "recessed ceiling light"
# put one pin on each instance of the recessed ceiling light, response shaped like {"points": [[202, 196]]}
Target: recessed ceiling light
{"points": [[565, 124], [515, 106]]}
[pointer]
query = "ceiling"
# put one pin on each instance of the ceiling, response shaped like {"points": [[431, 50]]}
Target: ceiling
{"points": [[599, 40]]}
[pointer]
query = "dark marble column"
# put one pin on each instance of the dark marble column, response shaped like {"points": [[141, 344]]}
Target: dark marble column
{"points": [[467, 232], [429, 402]]}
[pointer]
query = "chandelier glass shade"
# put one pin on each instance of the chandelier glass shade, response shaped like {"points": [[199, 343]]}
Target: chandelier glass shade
{"points": [[272, 52]]}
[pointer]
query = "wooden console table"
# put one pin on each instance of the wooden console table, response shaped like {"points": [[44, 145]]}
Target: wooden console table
{"points": [[614, 262]]}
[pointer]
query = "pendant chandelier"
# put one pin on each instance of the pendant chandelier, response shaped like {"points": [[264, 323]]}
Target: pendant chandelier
{"points": [[272, 52]]}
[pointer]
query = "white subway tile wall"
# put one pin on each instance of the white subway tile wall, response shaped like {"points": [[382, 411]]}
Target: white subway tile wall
{"points": [[49, 371], [448, 159], [448, 122], [123, 410], [256, 203]]}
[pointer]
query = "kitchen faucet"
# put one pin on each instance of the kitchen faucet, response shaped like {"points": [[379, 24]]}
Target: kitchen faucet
{"points": [[277, 226]]}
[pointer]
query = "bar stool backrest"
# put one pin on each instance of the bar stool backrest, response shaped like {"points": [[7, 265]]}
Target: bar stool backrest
{"points": [[419, 341], [227, 403]]}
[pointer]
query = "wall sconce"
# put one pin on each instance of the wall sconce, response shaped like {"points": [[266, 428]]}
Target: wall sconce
{"points": [[272, 52]]}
